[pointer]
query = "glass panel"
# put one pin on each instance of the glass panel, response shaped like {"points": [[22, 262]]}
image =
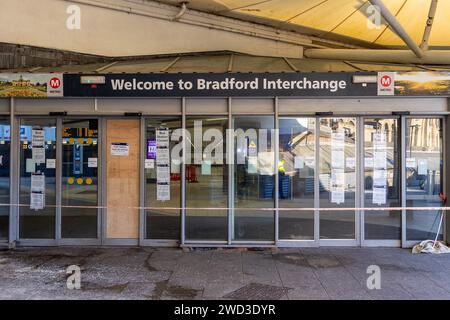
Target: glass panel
{"points": [[5, 144], [254, 178], [424, 178], [381, 179], [79, 178], [296, 177], [39, 223], [206, 179], [337, 178], [162, 221]]}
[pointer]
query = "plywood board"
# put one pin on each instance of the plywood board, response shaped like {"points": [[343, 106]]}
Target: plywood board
{"points": [[122, 180]]}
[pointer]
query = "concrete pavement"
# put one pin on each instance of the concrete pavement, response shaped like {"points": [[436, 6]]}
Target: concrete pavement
{"points": [[149, 273]]}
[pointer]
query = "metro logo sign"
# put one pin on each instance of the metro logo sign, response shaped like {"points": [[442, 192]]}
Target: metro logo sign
{"points": [[386, 83], [55, 85]]}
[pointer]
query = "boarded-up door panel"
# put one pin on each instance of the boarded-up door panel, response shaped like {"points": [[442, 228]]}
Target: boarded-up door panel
{"points": [[122, 180]]}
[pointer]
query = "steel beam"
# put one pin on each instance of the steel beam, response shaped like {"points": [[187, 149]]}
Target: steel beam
{"points": [[397, 27]]}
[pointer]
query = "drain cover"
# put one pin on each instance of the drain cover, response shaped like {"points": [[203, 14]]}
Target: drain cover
{"points": [[257, 291]]}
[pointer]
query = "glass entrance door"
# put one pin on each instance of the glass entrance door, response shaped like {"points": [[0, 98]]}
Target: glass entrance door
{"points": [[37, 198], [5, 145], [254, 179], [296, 176], [337, 178], [424, 177], [79, 183], [206, 179], [382, 183]]}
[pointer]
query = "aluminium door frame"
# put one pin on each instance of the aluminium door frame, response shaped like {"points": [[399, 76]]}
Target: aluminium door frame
{"points": [[357, 240], [58, 241], [30, 242], [410, 243], [143, 241], [361, 172], [315, 242], [85, 241]]}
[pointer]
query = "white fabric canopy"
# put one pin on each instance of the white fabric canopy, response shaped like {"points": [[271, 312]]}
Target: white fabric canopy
{"points": [[346, 18]]}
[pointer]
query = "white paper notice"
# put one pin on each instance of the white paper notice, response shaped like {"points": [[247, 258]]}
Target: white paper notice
{"points": [[380, 159], [368, 162], [337, 195], [410, 162], [92, 162], [149, 163], [120, 149], [30, 166], [337, 177], [163, 174], [51, 164], [37, 183], [379, 178], [162, 156], [350, 162], [252, 166], [162, 138], [36, 201], [422, 166], [379, 196], [163, 192], [299, 162], [266, 163], [37, 138], [337, 140], [38, 155], [337, 159], [310, 162]]}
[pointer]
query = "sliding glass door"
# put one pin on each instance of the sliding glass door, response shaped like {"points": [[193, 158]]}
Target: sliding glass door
{"points": [[382, 179], [337, 178], [424, 177], [37, 198], [5, 146]]}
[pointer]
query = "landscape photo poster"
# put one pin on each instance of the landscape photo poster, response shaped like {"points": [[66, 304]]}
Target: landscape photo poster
{"points": [[29, 85], [431, 83]]}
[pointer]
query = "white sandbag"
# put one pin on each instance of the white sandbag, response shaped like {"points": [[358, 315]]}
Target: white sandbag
{"points": [[430, 246]]}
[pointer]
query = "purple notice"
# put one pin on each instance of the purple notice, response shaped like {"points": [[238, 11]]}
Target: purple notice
{"points": [[151, 149]]}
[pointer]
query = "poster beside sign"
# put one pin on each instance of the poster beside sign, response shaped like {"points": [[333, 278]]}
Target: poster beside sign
{"points": [[31, 85]]}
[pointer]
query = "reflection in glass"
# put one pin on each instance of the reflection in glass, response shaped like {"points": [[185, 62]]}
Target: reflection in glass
{"points": [[254, 178], [4, 177], [207, 182], [424, 178], [382, 179], [37, 224], [296, 177], [162, 221], [337, 178], [79, 178]]}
